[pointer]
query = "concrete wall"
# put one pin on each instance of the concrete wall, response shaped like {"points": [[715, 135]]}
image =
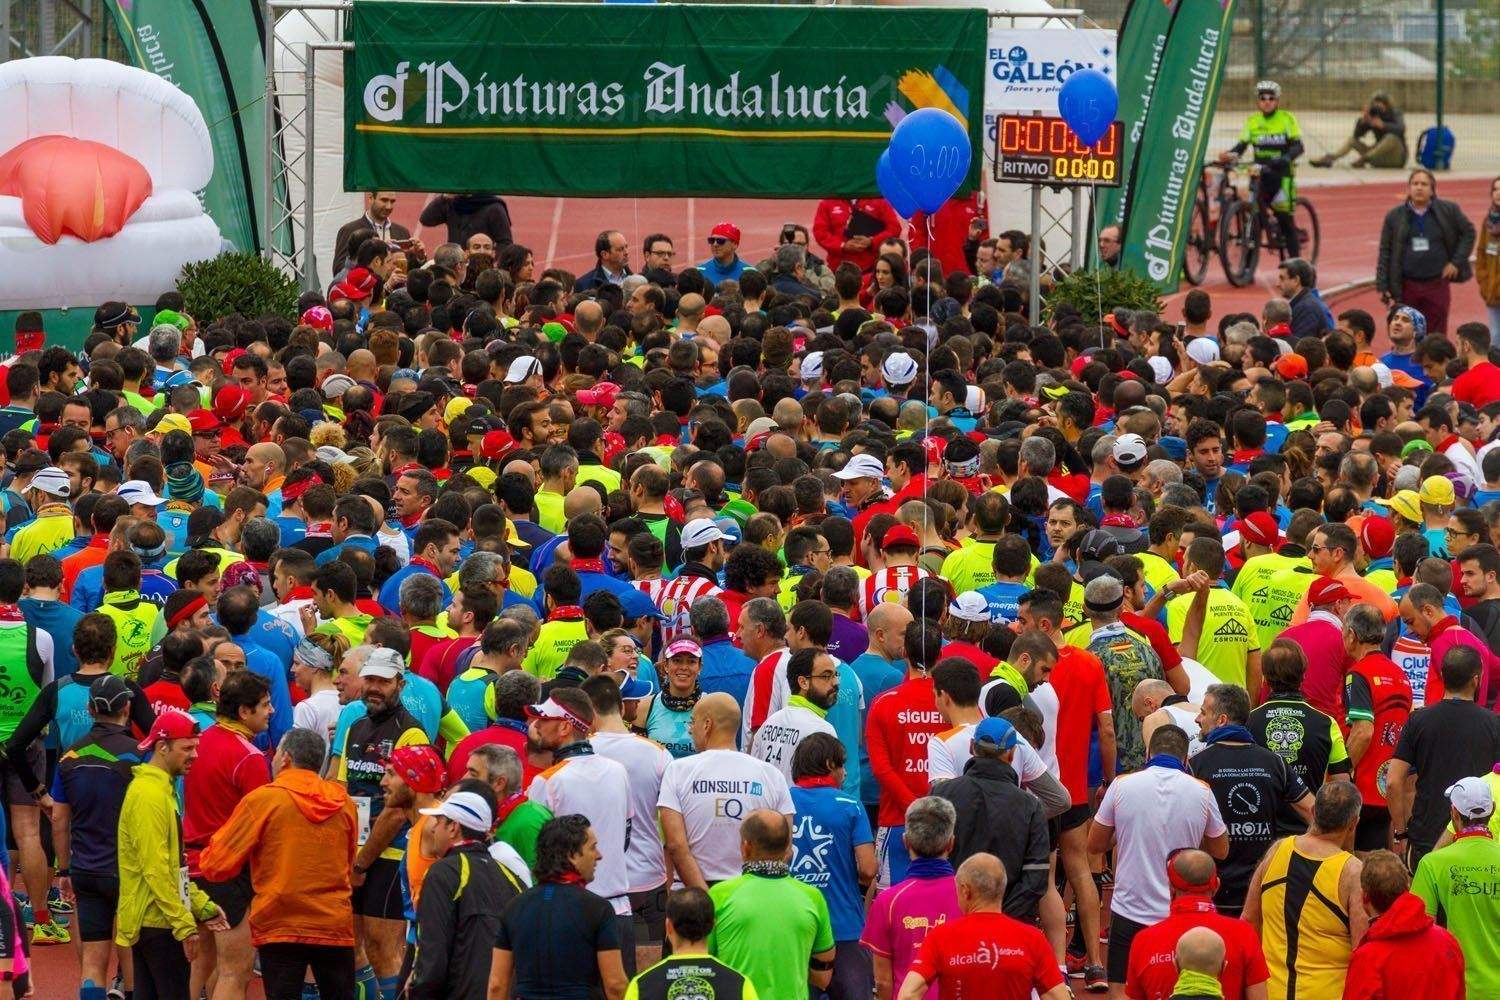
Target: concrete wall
{"points": [[1332, 94]]}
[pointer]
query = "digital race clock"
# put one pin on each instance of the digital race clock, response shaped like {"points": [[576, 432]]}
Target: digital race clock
{"points": [[1041, 149]]}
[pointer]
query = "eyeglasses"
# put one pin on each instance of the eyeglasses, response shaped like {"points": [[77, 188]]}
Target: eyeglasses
{"points": [[1457, 531], [717, 240], [669, 254], [827, 675], [1317, 548]]}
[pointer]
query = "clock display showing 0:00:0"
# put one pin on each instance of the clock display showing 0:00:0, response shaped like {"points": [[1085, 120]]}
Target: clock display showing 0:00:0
{"points": [[1083, 168]]}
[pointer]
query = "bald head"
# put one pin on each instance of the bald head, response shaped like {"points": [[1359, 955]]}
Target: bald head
{"points": [[981, 883], [271, 454], [691, 306], [362, 365], [782, 445], [1193, 868], [521, 467], [716, 327], [891, 617], [588, 318], [723, 715], [582, 500], [788, 414], [1148, 696], [765, 836], [1200, 950]]}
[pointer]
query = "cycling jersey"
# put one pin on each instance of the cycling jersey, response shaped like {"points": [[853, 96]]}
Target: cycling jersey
{"points": [[1272, 136], [370, 743]]}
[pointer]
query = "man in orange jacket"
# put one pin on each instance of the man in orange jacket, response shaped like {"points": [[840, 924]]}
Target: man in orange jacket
{"points": [[299, 835], [1403, 953]]}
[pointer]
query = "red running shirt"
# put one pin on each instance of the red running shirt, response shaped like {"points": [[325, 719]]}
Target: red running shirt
{"points": [[987, 956], [1082, 693], [1152, 971], [896, 732]]}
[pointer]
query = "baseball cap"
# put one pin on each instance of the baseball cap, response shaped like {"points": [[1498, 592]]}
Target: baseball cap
{"points": [[1406, 503], [421, 767], [550, 709], [1129, 450], [231, 403], [1463, 486], [699, 532], [112, 314], [317, 317], [466, 809], [997, 733], [1161, 369], [108, 695], [899, 368], [385, 663], [522, 369], [728, 230], [970, 606], [1326, 590], [812, 366], [174, 422], [1471, 797], [1203, 350], [634, 689], [203, 421], [336, 385], [1291, 366], [138, 491], [496, 445], [1098, 545], [898, 535], [169, 725], [1377, 535], [682, 645], [357, 286], [456, 408], [1260, 528], [170, 317], [603, 394], [762, 425], [52, 481], [1438, 491]]}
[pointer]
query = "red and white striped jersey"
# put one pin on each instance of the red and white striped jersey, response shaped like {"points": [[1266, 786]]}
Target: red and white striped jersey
{"points": [[888, 586], [651, 588], [767, 694], [676, 599]]}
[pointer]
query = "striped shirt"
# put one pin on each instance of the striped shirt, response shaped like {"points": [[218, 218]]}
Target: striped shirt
{"points": [[678, 596], [889, 586]]}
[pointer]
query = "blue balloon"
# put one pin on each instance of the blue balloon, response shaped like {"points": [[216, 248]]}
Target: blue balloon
{"points": [[929, 155], [1088, 102], [885, 178]]}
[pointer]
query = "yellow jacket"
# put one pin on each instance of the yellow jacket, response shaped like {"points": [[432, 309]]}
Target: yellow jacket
{"points": [[154, 888]]}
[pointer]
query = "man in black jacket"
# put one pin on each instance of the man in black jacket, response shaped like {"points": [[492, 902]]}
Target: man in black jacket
{"points": [[377, 218], [996, 817], [1425, 243], [463, 895]]}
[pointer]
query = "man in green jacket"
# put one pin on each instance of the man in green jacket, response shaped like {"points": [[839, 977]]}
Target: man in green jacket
{"points": [[159, 904]]}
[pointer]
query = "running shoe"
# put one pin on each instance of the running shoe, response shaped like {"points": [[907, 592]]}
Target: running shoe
{"points": [[57, 904], [1076, 962], [116, 989], [1094, 979], [49, 934]]}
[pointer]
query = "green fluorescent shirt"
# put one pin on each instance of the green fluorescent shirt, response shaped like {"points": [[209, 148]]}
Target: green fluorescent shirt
{"points": [[1461, 886], [970, 567], [1273, 597], [550, 651], [773, 952], [1228, 636]]}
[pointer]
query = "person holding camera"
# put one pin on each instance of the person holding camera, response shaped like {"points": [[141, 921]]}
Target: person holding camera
{"points": [[1379, 137]]}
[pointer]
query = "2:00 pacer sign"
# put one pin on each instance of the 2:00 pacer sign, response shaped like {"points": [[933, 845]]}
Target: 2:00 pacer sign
{"points": [[1041, 149]]}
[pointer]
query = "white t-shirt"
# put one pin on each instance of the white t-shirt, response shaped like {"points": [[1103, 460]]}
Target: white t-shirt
{"points": [[948, 752], [507, 856], [1044, 700], [598, 788], [776, 741], [1154, 812], [318, 712], [645, 761], [714, 791]]}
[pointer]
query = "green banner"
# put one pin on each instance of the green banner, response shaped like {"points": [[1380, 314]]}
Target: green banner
{"points": [[1143, 36], [621, 100], [211, 50], [1169, 157]]}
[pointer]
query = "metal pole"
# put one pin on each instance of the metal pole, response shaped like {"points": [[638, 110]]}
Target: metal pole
{"points": [[309, 273], [268, 212], [1080, 232], [1442, 61], [1036, 254], [1260, 39]]}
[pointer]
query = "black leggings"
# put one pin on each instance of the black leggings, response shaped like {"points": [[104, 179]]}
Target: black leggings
{"points": [[161, 967], [283, 968]]}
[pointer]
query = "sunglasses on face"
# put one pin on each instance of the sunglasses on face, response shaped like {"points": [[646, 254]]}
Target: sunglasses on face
{"points": [[716, 240]]}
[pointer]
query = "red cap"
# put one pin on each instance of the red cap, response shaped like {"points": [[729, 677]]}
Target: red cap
{"points": [[672, 507], [1291, 366], [496, 445], [230, 358], [1121, 330], [1079, 364], [934, 446], [757, 441], [898, 535], [1260, 528], [602, 394], [318, 317], [203, 421], [169, 725], [1326, 590], [357, 285], [231, 403], [32, 340], [1377, 535], [728, 230], [420, 767]]}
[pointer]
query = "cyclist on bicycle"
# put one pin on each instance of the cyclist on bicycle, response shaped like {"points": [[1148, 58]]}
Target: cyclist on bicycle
{"points": [[1277, 139]]}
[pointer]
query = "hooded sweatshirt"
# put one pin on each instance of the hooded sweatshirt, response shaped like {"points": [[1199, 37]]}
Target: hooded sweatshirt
{"points": [[298, 835], [1404, 954]]}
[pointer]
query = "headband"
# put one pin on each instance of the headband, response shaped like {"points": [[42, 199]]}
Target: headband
{"points": [[1106, 605], [148, 555], [964, 470], [292, 492], [313, 655], [1181, 884], [187, 611]]}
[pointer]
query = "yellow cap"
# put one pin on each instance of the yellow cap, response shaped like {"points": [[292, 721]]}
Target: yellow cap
{"points": [[456, 407], [1438, 491], [174, 422], [1407, 504]]}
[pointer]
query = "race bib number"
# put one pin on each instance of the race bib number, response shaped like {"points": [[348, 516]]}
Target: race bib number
{"points": [[183, 883], [362, 804]]}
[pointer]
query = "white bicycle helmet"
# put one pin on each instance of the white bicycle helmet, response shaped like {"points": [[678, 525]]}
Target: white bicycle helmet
{"points": [[1268, 87]]}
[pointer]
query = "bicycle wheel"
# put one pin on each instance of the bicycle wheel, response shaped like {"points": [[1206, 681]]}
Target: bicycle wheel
{"points": [[1200, 246], [1309, 234], [1239, 242]]}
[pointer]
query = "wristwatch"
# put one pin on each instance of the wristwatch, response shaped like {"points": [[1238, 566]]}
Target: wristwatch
{"points": [[1401, 835], [361, 869]]}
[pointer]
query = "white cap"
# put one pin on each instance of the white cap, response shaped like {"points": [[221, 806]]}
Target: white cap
{"points": [[899, 368], [1161, 369], [1382, 374], [1129, 449], [861, 467], [812, 366], [1471, 798], [334, 386], [760, 425], [466, 809], [138, 491], [333, 455], [1203, 350], [52, 480], [522, 369], [385, 663], [699, 532], [974, 399], [970, 606]]}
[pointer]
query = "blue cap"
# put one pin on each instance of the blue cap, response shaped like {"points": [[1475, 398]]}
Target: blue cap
{"points": [[730, 527], [1175, 447], [634, 688], [996, 732]]}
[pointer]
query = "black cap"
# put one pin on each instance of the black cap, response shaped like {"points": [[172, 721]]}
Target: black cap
{"points": [[113, 314], [108, 695]]}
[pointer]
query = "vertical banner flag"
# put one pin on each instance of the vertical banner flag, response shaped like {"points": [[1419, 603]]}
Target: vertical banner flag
{"points": [[1169, 157], [1143, 36], [212, 50], [600, 100]]}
